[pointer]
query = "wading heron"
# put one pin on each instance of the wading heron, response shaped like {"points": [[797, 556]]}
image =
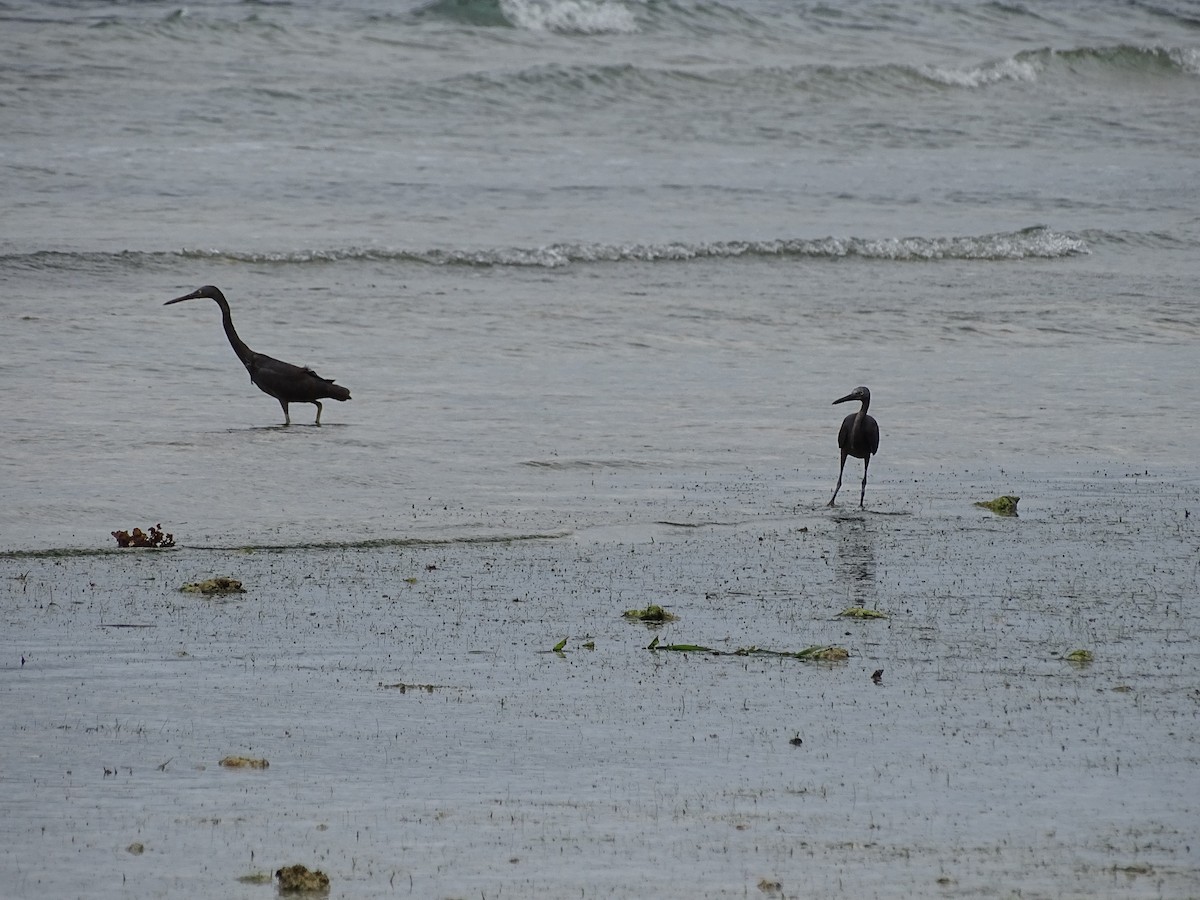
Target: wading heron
{"points": [[283, 381], [858, 437]]}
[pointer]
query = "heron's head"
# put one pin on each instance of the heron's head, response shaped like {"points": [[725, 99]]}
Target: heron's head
{"points": [[208, 291], [859, 393]]}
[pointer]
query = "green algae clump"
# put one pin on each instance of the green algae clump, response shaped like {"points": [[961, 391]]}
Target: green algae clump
{"points": [[1005, 505], [1080, 657], [296, 879], [858, 612], [652, 613], [824, 654], [817, 652]]}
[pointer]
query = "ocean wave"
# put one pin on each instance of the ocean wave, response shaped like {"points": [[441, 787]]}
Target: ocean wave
{"points": [[1033, 65], [1013, 69], [1037, 242], [479, 13], [659, 90], [1089, 64], [1124, 59], [561, 16], [1149, 240], [571, 16], [1031, 243]]}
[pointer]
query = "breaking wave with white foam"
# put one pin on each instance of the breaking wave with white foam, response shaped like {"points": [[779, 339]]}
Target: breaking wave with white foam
{"points": [[1030, 243]]}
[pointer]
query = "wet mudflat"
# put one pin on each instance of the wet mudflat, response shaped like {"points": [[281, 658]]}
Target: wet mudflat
{"points": [[424, 739]]}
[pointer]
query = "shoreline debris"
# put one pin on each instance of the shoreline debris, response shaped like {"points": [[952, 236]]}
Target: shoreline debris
{"points": [[404, 687], [219, 584], [153, 537], [1004, 505], [244, 762]]}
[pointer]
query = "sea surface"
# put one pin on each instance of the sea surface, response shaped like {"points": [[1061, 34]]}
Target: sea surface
{"points": [[538, 239], [594, 272]]}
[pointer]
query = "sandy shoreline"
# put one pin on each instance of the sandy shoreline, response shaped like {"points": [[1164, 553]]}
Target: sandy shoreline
{"points": [[983, 764]]}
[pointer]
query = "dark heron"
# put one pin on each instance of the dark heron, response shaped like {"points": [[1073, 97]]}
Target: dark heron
{"points": [[283, 381], [858, 437]]}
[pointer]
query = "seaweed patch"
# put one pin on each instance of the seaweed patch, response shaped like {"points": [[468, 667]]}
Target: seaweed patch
{"points": [[653, 614], [817, 652], [858, 612], [1005, 505], [297, 879]]}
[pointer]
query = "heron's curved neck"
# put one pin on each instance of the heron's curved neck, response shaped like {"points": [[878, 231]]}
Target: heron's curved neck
{"points": [[245, 354]]}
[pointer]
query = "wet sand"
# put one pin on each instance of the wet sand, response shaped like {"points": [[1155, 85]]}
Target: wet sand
{"points": [[424, 740]]}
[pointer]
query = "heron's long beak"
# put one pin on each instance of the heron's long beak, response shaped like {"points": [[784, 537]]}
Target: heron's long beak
{"points": [[850, 396], [192, 296]]}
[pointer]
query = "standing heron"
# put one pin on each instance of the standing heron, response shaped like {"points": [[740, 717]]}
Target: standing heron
{"points": [[283, 381], [858, 437]]}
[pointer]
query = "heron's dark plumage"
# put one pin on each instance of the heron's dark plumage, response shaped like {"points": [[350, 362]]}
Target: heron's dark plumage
{"points": [[858, 437], [283, 381]]}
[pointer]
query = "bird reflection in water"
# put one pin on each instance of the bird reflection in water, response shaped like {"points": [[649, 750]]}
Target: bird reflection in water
{"points": [[854, 564]]}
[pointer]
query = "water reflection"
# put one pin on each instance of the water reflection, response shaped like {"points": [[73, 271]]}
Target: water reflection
{"points": [[854, 562]]}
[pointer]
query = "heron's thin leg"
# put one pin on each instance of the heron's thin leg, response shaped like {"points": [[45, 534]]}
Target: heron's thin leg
{"points": [[287, 419], [317, 404], [863, 492], [839, 484]]}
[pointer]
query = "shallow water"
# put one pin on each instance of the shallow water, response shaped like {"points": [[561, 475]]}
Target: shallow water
{"points": [[983, 762], [488, 399]]}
